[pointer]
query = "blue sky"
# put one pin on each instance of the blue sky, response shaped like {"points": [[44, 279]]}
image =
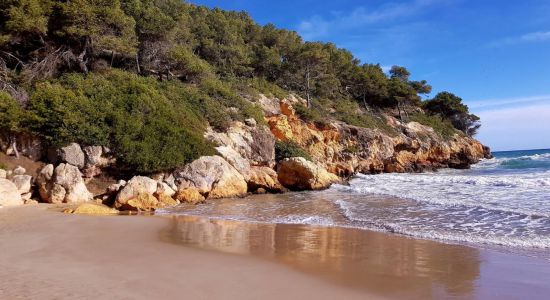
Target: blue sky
{"points": [[494, 54]]}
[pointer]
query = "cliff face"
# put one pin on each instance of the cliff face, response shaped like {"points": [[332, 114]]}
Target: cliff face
{"points": [[345, 150]]}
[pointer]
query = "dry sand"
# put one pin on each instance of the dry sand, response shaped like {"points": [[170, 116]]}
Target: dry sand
{"points": [[48, 255]]}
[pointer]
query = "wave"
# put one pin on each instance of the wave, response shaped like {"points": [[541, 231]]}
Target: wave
{"points": [[534, 161]]}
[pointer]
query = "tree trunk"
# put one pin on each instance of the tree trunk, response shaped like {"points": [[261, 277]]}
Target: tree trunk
{"points": [[137, 63], [14, 146]]}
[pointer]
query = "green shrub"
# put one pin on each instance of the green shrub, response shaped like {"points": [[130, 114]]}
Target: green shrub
{"points": [[440, 126], [350, 113], [288, 149], [132, 115], [312, 115]]}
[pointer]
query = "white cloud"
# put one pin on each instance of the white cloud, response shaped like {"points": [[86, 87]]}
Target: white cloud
{"points": [[493, 104], [318, 26], [516, 128], [538, 36], [531, 37]]}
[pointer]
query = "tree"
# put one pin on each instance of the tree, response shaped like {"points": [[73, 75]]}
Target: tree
{"points": [[12, 116], [449, 106], [400, 73], [370, 85]]}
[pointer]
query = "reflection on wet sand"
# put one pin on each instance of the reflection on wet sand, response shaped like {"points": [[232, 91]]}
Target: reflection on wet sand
{"points": [[385, 264]]}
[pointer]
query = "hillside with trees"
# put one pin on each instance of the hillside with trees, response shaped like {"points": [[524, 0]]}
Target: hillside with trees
{"points": [[118, 72]]}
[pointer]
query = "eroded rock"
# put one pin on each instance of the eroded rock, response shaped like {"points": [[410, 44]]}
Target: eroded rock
{"points": [[300, 174], [213, 177], [9, 195]]}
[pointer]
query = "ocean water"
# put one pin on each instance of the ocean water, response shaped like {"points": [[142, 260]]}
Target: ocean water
{"points": [[504, 201]]}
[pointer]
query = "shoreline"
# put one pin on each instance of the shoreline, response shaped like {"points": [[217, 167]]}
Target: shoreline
{"points": [[48, 254]]}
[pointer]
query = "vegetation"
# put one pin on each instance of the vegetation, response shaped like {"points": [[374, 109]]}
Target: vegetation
{"points": [[146, 77], [289, 149], [441, 126]]}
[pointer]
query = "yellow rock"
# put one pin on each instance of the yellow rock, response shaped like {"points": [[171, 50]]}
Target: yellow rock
{"points": [[143, 202], [92, 209], [190, 195], [167, 201]]}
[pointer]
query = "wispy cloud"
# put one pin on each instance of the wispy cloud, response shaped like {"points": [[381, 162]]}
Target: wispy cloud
{"points": [[318, 26], [531, 37], [505, 103]]}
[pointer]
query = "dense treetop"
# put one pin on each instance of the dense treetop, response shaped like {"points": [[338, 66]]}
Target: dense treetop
{"points": [[182, 57]]}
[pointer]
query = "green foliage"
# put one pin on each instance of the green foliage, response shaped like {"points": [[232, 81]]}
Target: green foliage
{"points": [[451, 108], [28, 16], [350, 113], [309, 115], [289, 149], [440, 126], [11, 114], [148, 131]]}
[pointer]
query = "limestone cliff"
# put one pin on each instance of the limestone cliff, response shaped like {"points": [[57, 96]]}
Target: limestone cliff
{"points": [[346, 150]]}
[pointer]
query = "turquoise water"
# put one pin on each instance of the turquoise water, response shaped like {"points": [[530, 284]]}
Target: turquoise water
{"points": [[501, 201]]}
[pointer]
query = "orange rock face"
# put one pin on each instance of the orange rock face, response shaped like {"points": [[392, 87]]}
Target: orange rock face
{"points": [[345, 150]]}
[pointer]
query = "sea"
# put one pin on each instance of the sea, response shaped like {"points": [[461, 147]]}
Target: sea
{"points": [[500, 202]]}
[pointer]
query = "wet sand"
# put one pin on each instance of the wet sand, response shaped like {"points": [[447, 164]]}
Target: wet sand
{"points": [[48, 255]]}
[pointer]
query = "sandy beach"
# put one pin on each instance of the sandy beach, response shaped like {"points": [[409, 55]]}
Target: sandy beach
{"points": [[48, 255]]}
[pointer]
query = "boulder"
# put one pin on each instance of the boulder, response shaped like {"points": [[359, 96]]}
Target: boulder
{"points": [[213, 177], [163, 189], [255, 143], [9, 195], [64, 184], [73, 155], [19, 171], [190, 195], [23, 183], [264, 179], [141, 202], [137, 187], [297, 173], [235, 159]]}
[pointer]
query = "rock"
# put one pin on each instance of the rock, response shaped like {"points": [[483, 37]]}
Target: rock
{"points": [[92, 209], [9, 195], [141, 202], [264, 178], [31, 202], [19, 171], [43, 181], [167, 201], [135, 188], [300, 174], [70, 178], [93, 156], [251, 122], [212, 176], [270, 106], [3, 174], [163, 189], [23, 183], [255, 144], [26, 197], [190, 195], [73, 155], [116, 187], [64, 184], [27, 145], [235, 159]]}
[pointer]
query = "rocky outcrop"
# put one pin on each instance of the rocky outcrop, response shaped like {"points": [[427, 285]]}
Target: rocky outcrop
{"points": [[264, 179], [71, 154], [253, 142], [297, 173], [190, 195], [9, 195], [64, 184], [213, 177], [346, 150]]}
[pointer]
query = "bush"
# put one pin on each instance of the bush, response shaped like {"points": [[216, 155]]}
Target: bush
{"points": [[350, 113], [309, 115], [289, 149], [148, 131], [440, 126]]}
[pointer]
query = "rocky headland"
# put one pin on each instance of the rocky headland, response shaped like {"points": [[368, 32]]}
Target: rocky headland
{"points": [[246, 163]]}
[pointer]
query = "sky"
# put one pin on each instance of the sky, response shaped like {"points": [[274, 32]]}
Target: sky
{"points": [[493, 54]]}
